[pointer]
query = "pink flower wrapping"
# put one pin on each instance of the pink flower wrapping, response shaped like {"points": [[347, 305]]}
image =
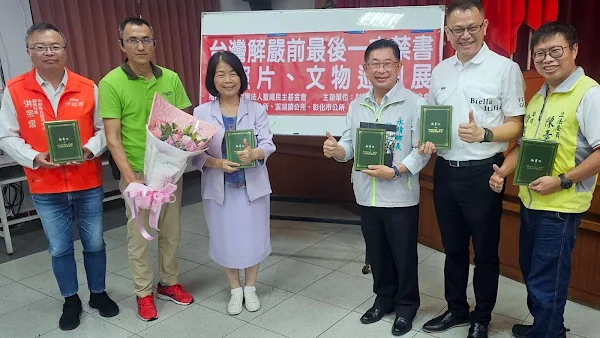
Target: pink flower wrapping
{"points": [[178, 136], [173, 138], [163, 112]]}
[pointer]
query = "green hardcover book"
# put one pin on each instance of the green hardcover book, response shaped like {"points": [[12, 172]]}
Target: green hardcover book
{"points": [[390, 139], [436, 126], [370, 148], [234, 141], [536, 159], [64, 142]]}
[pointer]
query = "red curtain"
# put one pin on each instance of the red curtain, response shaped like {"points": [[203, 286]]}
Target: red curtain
{"points": [[540, 11], [582, 14], [91, 29], [505, 17]]}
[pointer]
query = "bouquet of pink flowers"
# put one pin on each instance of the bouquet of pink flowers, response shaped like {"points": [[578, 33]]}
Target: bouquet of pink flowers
{"points": [[173, 135], [173, 138]]}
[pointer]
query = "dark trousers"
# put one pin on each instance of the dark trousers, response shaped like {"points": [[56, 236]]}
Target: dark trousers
{"points": [[391, 236], [546, 241], [466, 208]]}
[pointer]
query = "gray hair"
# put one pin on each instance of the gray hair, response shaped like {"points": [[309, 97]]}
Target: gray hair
{"points": [[42, 27]]}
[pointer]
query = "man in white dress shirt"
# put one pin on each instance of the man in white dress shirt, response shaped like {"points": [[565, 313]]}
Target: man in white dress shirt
{"points": [[60, 193], [486, 92]]}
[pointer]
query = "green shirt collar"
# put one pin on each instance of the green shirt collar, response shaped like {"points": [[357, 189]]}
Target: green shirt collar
{"points": [[156, 71]]}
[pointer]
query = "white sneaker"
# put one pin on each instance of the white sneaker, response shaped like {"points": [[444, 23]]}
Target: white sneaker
{"points": [[235, 304], [251, 300]]}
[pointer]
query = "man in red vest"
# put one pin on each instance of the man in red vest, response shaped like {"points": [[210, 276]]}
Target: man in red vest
{"points": [[60, 193]]}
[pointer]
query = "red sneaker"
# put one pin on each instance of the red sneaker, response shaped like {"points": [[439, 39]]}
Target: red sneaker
{"points": [[146, 308], [174, 293]]}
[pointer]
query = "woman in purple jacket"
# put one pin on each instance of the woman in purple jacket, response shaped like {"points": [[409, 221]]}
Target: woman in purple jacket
{"points": [[236, 201]]}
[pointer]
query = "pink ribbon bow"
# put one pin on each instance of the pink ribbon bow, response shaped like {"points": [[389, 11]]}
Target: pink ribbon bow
{"points": [[139, 196]]}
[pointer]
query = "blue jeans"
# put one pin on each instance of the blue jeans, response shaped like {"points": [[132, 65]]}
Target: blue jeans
{"points": [[546, 241], [57, 212]]}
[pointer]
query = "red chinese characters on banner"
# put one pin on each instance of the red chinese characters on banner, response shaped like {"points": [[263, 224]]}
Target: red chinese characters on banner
{"points": [[320, 73]]}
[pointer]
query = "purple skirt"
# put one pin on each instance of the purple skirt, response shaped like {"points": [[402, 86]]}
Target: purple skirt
{"points": [[239, 230]]}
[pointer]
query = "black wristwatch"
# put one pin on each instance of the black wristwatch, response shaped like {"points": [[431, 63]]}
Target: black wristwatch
{"points": [[488, 136], [564, 182]]}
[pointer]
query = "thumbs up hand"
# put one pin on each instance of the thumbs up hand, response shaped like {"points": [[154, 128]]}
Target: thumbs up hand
{"points": [[330, 138], [247, 155], [497, 179], [331, 148], [470, 132]]}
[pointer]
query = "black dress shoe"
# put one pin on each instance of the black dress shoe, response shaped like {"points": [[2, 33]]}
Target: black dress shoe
{"points": [[478, 331], [373, 315], [521, 330], [401, 326], [445, 322]]}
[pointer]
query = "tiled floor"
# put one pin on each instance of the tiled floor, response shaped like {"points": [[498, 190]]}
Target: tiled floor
{"points": [[311, 286]]}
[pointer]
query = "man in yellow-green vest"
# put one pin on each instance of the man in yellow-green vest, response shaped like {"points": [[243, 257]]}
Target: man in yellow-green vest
{"points": [[564, 110]]}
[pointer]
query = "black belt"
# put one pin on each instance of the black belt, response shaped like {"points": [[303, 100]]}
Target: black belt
{"points": [[471, 163]]}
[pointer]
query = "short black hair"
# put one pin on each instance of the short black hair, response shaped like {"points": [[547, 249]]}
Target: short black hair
{"points": [[380, 44], [136, 22], [42, 27], [234, 62], [551, 29], [464, 5]]}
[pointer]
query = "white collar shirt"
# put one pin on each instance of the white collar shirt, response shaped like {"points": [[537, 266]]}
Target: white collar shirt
{"points": [[53, 94], [490, 85]]}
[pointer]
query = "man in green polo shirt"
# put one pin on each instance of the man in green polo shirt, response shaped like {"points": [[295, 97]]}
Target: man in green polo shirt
{"points": [[125, 98]]}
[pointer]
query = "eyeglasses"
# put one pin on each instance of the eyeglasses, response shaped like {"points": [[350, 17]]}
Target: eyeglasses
{"points": [[460, 31], [386, 65], [42, 49], [136, 41], [555, 52]]}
